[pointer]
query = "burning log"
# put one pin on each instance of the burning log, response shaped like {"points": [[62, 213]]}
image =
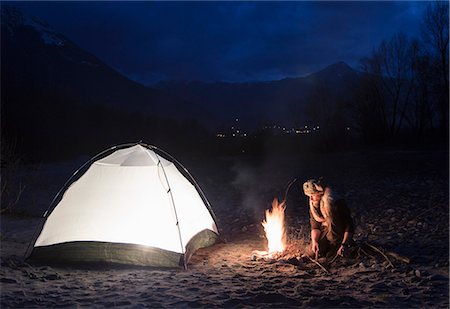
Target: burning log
{"points": [[258, 255]]}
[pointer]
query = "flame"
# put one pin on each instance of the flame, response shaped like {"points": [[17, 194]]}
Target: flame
{"points": [[274, 227]]}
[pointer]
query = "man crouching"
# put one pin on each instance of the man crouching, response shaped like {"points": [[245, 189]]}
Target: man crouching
{"points": [[331, 223]]}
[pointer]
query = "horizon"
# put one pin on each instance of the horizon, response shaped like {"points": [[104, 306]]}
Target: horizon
{"points": [[255, 81]]}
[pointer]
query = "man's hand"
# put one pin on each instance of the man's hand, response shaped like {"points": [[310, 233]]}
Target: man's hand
{"points": [[341, 250], [315, 235], [315, 247]]}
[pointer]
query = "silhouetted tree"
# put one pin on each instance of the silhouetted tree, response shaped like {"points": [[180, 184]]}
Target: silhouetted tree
{"points": [[369, 107], [435, 34], [393, 64], [420, 114]]}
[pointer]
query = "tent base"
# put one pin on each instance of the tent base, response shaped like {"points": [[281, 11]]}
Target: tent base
{"points": [[120, 253], [98, 252]]}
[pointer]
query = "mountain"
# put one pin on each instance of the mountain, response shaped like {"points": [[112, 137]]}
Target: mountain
{"points": [[34, 56], [58, 100], [54, 92], [283, 101]]}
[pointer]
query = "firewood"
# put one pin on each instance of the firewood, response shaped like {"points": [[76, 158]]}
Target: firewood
{"points": [[381, 252], [317, 263], [333, 259], [399, 257], [365, 252]]}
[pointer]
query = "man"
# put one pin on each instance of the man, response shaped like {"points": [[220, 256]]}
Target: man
{"points": [[331, 223]]}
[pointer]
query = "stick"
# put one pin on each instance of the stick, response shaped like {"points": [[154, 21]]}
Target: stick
{"points": [[333, 259], [398, 257], [318, 264], [290, 183], [364, 251], [379, 251], [428, 210]]}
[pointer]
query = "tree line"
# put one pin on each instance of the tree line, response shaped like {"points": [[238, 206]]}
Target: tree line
{"points": [[403, 91]]}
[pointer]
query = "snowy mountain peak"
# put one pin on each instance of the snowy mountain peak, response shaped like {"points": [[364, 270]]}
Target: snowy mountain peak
{"points": [[12, 18]]}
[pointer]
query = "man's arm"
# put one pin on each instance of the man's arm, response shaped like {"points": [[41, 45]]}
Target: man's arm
{"points": [[349, 229], [347, 237]]}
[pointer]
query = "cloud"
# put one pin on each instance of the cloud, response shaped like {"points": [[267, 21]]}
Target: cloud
{"points": [[230, 41]]}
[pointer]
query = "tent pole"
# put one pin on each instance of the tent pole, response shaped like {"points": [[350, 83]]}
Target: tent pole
{"points": [[203, 196], [175, 211]]}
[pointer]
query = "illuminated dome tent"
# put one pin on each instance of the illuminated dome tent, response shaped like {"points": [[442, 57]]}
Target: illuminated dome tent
{"points": [[137, 205]]}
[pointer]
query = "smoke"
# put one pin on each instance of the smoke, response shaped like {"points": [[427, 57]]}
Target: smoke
{"points": [[261, 178], [252, 185]]}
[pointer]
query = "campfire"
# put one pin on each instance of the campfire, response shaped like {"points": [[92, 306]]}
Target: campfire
{"points": [[274, 227], [274, 230]]}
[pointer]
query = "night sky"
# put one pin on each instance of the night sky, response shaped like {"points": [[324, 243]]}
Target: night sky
{"points": [[227, 41]]}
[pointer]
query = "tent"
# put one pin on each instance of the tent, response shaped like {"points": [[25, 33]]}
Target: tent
{"points": [[137, 205]]}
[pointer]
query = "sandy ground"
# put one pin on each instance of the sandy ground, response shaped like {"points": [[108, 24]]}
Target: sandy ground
{"points": [[399, 201]]}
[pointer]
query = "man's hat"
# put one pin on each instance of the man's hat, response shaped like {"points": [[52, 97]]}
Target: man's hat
{"points": [[313, 186]]}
